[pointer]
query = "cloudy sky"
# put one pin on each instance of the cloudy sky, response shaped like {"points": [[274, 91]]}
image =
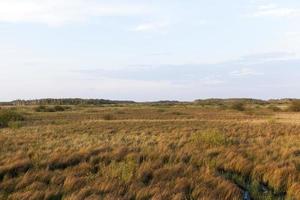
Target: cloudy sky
{"points": [[149, 49]]}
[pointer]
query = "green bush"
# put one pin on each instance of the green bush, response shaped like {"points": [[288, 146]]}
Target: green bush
{"points": [[7, 117]]}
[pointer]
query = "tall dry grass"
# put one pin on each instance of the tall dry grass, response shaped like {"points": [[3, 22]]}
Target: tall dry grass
{"points": [[144, 153]]}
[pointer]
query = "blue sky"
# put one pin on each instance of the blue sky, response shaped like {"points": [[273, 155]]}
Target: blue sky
{"points": [[149, 50]]}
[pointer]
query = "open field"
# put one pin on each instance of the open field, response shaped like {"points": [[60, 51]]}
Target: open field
{"points": [[142, 152]]}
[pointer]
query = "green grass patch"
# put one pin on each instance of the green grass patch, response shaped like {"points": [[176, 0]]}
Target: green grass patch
{"points": [[211, 137]]}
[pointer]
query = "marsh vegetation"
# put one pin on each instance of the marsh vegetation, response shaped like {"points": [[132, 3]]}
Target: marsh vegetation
{"points": [[151, 151]]}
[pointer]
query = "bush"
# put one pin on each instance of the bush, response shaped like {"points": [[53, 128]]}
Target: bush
{"points": [[222, 107], [59, 108], [239, 106], [50, 109], [274, 108], [7, 117], [42, 108], [295, 106]]}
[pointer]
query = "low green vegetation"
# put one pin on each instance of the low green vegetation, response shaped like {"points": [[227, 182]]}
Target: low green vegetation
{"points": [[211, 137], [57, 108], [274, 108], [10, 118]]}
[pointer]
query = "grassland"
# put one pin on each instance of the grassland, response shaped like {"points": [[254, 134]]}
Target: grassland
{"points": [[159, 152]]}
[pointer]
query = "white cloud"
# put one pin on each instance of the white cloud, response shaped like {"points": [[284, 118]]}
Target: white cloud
{"points": [[290, 41], [263, 57], [58, 12], [152, 27], [211, 81], [292, 34], [272, 10], [245, 72], [267, 6]]}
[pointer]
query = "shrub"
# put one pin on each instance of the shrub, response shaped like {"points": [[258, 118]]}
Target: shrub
{"points": [[222, 106], [239, 106], [274, 108], [40, 108], [295, 106], [9, 116], [57, 108]]}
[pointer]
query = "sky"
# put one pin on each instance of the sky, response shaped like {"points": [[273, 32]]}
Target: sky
{"points": [[147, 50]]}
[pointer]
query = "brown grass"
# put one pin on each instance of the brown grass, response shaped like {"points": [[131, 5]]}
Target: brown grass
{"points": [[145, 153]]}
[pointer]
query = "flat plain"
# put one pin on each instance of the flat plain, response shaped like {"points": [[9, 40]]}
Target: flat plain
{"points": [[140, 152]]}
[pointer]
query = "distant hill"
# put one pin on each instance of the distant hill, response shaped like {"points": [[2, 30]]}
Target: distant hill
{"points": [[211, 101], [230, 100], [68, 101], [282, 101]]}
